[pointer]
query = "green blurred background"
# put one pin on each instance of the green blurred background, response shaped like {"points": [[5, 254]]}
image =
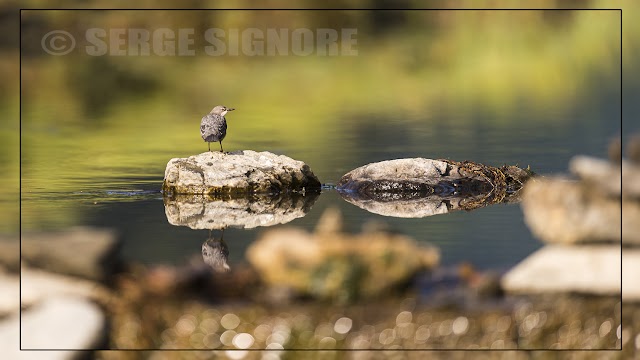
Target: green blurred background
{"points": [[90, 121]]}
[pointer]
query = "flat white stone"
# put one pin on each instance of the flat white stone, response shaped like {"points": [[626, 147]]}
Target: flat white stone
{"points": [[630, 273], [585, 269], [64, 323]]}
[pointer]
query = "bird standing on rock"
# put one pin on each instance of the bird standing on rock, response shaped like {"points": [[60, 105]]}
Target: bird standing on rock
{"points": [[213, 126]]}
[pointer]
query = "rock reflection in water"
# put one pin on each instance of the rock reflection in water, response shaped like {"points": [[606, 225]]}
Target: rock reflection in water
{"points": [[418, 205], [216, 213], [220, 212], [215, 253]]}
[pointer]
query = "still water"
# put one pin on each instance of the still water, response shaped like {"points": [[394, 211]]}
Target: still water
{"points": [[127, 197], [522, 88]]}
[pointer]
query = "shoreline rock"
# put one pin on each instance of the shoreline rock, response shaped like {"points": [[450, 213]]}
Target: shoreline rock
{"points": [[237, 173], [590, 227]]}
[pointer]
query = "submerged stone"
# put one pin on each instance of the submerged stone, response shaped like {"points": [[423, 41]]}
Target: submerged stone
{"points": [[240, 172]]}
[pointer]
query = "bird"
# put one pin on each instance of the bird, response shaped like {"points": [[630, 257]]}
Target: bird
{"points": [[213, 126], [215, 253]]}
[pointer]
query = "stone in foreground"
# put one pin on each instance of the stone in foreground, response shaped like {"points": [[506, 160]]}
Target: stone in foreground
{"points": [[613, 179], [240, 172], [331, 264], [588, 269], [64, 323], [86, 252], [558, 210]]}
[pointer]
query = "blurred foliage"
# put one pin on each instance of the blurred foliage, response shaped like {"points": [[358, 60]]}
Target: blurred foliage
{"points": [[87, 119]]}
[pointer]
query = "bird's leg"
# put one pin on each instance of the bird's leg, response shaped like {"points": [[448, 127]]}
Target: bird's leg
{"points": [[209, 144], [221, 146]]}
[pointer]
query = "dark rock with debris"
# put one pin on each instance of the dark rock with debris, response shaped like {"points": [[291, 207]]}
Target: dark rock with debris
{"points": [[331, 264], [418, 177], [245, 212], [423, 187], [240, 172]]}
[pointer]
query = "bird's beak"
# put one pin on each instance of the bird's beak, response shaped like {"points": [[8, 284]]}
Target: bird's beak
{"points": [[230, 109]]}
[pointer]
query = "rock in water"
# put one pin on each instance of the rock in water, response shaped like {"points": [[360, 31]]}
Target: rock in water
{"points": [[420, 187], [237, 173], [418, 177]]}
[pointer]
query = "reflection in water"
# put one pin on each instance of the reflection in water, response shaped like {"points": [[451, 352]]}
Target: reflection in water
{"points": [[414, 205], [219, 213], [215, 253], [208, 212]]}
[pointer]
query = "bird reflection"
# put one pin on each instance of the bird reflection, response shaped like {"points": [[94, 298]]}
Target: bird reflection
{"points": [[215, 253]]}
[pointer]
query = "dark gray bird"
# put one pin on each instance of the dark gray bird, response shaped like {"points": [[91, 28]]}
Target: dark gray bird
{"points": [[213, 126]]}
